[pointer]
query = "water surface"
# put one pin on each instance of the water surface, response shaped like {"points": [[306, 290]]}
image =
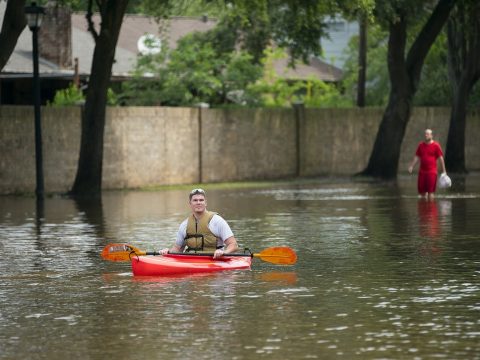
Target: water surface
{"points": [[380, 274]]}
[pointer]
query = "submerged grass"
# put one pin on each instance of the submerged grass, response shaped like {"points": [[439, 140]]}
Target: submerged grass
{"points": [[237, 184]]}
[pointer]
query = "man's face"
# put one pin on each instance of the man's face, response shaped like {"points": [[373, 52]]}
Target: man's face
{"points": [[198, 203], [428, 135]]}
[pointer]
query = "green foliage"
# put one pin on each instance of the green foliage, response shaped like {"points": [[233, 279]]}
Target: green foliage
{"points": [[313, 93], [377, 79], [390, 11], [298, 26], [435, 88], [151, 7], [222, 66], [203, 69], [463, 30], [74, 96], [474, 99], [274, 91], [213, 8], [352, 9], [68, 97], [295, 25], [112, 97], [145, 86], [322, 94]]}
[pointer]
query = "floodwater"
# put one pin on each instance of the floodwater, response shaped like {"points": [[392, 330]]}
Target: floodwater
{"points": [[381, 274]]}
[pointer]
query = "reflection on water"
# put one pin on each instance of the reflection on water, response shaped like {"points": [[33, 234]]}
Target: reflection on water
{"points": [[429, 226], [428, 218], [381, 274]]}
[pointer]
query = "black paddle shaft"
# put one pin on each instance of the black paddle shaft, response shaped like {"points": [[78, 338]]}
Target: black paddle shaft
{"points": [[199, 254]]}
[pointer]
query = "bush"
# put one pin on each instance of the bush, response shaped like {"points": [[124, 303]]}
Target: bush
{"points": [[74, 96], [200, 70], [275, 91], [68, 97]]}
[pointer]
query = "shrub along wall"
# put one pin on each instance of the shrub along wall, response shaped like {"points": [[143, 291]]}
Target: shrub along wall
{"points": [[156, 145]]}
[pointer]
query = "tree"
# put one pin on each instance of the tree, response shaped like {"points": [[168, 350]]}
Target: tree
{"points": [[362, 60], [433, 90], [463, 30], [404, 73], [88, 180], [275, 91], [377, 82], [362, 11], [292, 24], [204, 68], [14, 22]]}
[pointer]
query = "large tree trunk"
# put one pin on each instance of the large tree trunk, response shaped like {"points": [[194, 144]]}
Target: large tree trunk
{"points": [[88, 181], [362, 60], [404, 79], [386, 150], [455, 150], [464, 70], [14, 22]]}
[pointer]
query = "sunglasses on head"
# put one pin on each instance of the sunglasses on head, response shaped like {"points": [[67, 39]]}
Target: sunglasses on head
{"points": [[196, 192]]}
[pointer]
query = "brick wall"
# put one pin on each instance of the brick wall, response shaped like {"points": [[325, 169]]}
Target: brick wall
{"points": [[55, 36]]}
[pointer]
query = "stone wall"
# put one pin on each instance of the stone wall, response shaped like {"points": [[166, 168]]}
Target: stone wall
{"points": [[337, 141], [147, 146], [472, 149], [240, 144], [61, 144]]}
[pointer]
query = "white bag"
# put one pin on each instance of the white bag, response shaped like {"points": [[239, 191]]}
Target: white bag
{"points": [[444, 181]]}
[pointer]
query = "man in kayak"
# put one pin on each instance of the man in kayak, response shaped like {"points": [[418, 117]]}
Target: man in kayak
{"points": [[203, 231], [428, 151]]}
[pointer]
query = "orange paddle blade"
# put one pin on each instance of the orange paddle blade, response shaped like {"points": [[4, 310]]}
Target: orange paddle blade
{"points": [[120, 252], [282, 255]]}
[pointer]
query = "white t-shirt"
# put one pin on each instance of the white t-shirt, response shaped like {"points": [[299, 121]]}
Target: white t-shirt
{"points": [[218, 226]]}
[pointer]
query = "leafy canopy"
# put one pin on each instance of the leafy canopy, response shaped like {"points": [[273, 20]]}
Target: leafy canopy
{"points": [[205, 68]]}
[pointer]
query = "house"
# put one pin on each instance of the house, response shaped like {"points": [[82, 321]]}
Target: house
{"points": [[66, 51]]}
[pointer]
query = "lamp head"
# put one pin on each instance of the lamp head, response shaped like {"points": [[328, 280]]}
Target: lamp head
{"points": [[34, 15]]}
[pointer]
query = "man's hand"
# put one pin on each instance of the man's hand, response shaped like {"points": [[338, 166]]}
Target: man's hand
{"points": [[413, 163], [164, 251], [218, 253]]}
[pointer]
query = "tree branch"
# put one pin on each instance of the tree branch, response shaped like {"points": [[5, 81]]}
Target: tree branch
{"points": [[396, 51], [13, 24], [474, 41], [91, 25], [422, 44]]}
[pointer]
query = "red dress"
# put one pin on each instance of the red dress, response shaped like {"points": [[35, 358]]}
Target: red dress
{"points": [[427, 175]]}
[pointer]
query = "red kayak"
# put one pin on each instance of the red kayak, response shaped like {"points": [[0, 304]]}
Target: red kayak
{"points": [[186, 264]]}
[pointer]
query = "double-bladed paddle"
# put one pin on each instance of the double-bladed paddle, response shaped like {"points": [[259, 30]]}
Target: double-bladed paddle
{"points": [[281, 255]]}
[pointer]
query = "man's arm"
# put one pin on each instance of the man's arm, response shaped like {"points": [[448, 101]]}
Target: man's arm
{"points": [[442, 162], [174, 248], [412, 165], [230, 247]]}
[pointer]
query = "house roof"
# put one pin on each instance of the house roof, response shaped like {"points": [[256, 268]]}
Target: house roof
{"points": [[133, 27], [314, 69]]}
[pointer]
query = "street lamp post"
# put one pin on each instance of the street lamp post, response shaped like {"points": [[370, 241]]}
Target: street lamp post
{"points": [[34, 15]]}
